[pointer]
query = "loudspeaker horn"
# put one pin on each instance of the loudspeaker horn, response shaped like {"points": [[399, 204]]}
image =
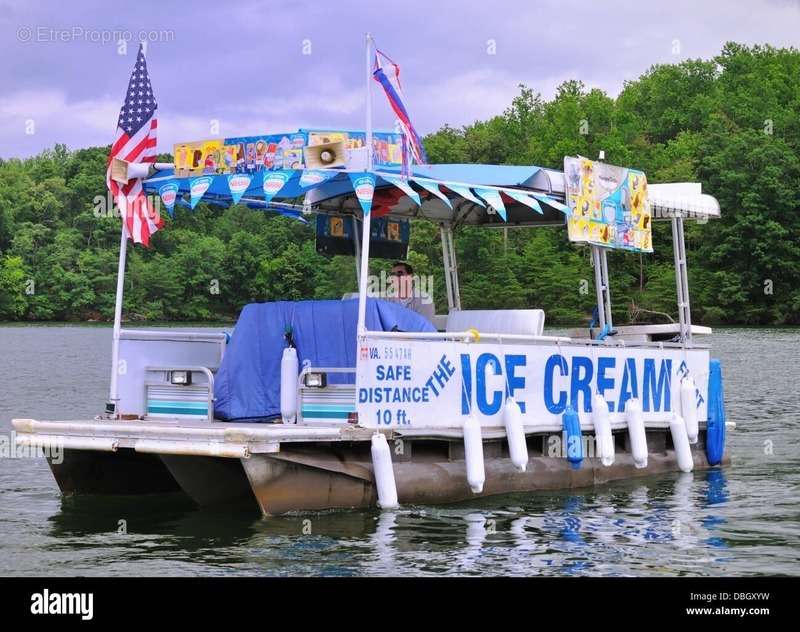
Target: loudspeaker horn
{"points": [[325, 156]]}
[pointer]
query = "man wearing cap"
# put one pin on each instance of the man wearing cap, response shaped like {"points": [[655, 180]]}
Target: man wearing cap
{"points": [[402, 291]]}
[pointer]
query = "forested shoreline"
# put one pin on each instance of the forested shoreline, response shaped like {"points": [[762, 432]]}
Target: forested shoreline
{"points": [[730, 122]]}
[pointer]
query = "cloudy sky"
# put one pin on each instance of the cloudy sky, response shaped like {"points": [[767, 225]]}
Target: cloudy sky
{"points": [[259, 66]]}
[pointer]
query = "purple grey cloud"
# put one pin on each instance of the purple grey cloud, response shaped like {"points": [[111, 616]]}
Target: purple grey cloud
{"points": [[243, 63]]}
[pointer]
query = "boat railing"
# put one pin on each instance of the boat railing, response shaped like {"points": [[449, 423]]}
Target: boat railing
{"points": [[473, 336], [325, 404], [179, 398], [141, 350]]}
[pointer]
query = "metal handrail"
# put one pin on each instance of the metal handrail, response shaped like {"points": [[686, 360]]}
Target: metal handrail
{"points": [[470, 337], [308, 368], [190, 368]]}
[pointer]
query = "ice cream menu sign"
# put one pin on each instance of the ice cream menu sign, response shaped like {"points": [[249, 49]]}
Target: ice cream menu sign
{"points": [[609, 205]]}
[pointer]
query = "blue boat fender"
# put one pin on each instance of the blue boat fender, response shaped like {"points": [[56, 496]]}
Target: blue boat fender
{"points": [[715, 434], [572, 431]]}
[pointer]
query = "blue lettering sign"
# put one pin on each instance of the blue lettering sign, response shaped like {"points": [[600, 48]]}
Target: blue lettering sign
{"points": [[555, 360], [486, 407], [656, 391]]}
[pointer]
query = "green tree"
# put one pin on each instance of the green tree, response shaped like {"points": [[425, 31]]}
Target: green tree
{"points": [[13, 301]]}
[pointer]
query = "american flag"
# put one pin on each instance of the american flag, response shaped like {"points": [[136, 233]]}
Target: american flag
{"points": [[136, 142]]}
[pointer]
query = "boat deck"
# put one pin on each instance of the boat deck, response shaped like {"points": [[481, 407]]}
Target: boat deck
{"points": [[184, 437], [297, 467], [234, 440]]}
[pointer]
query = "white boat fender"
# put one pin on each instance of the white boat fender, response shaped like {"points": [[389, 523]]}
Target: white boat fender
{"points": [[384, 473], [636, 432], [473, 454], [515, 433], [689, 408], [289, 373], [680, 440], [603, 439]]}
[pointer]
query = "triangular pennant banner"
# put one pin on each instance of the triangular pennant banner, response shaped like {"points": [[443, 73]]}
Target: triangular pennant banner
{"points": [[464, 192], [431, 186], [238, 183], [314, 177], [404, 187], [274, 181], [364, 186], [524, 198], [198, 188], [168, 192], [492, 196], [555, 204]]}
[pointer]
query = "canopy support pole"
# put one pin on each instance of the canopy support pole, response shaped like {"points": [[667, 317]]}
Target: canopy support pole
{"points": [[454, 263], [450, 268], [113, 399], [448, 280], [606, 287], [598, 286], [363, 276], [681, 280], [357, 247]]}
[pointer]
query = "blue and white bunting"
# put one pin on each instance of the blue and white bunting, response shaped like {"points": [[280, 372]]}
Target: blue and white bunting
{"points": [[314, 177], [198, 188], [492, 196], [555, 204], [433, 187], [238, 183], [464, 192], [364, 186], [168, 193], [274, 181], [404, 187], [524, 198]]}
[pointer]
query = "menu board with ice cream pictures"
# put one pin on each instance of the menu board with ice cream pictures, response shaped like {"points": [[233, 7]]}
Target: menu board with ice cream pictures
{"points": [[203, 157], [268, 152], [609, 205], [386, 146]]}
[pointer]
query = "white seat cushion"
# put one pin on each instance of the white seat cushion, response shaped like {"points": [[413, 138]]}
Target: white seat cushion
{"points": [[498, 321]]}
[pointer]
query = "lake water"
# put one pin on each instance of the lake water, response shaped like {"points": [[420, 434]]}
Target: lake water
{"points": [[742, 520]]}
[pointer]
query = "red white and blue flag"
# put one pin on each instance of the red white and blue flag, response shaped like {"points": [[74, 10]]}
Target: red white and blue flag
{"points": [[136, 142], [389, 78]]}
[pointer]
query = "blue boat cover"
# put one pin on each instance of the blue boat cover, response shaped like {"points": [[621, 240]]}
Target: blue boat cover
{"points": [[247, 386]]}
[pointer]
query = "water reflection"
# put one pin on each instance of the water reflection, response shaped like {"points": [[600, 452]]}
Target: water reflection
{"points": [[620, 529], [716, 495]]}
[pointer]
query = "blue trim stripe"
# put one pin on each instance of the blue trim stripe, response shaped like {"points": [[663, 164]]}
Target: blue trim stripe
{"points": [[347, 408], [326, 414], [156, 410], [159, 407]]}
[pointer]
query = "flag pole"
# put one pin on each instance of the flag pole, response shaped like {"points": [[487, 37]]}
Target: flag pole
{"points": [[113, 404], [363, 277]]}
